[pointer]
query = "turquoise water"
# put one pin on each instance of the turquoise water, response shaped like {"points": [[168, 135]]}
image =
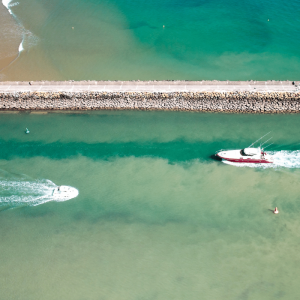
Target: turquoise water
{"points": [[126, 40], [157, 217]]}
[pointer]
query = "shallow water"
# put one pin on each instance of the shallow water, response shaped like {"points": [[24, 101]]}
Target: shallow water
{"points": [[156, 217], [125, 40], [10, 37]]}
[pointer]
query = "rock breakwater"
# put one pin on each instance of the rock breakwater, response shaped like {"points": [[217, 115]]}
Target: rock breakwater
{"points": [[232, 102]]}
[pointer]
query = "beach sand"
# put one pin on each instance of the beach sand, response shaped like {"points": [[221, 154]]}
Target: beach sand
{"points": [[10, 37]]}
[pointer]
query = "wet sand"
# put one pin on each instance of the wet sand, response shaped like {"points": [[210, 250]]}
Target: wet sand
{"points": [[10, 37], [4, 62]]}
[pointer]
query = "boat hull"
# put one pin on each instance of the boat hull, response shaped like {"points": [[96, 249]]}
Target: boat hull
{"points": [[246, 156], [247, 161], [64, 192]]}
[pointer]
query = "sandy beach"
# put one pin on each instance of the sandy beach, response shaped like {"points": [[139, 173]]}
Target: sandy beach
{"points": [[10, 37]]}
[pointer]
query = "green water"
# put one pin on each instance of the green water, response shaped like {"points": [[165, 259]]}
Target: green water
{"points": [[157, 40], [156, 216]]}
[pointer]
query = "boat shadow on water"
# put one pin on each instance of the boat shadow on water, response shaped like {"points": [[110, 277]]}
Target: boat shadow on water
{"points": [[215, 157], [174, 151]]}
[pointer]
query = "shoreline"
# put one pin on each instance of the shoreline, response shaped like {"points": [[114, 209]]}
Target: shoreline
{"points": [[208, 96], [10, 35]]}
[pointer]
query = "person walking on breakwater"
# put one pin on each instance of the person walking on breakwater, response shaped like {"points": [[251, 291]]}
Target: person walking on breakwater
{"points": [[276, 211]]}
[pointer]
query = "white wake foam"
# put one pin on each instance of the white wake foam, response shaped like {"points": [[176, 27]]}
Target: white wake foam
{"points": [[284, 158], [288, 159], [31, 193]]}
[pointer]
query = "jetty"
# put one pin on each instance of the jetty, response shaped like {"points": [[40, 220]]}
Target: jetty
{"points": [[216, 96], [149, 86]]}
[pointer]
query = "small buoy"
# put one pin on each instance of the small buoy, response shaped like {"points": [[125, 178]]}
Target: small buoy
{"points": [[27, 130], [163, 26], [72, 27], [276, 211], [268, 20]]}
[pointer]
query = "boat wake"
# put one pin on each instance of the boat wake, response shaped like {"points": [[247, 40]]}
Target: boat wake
{"points": [[15, 193], [284, 158]]}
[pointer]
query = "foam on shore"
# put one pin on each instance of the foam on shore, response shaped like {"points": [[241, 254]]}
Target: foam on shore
{"points": [[21, 48], [27, 37], [11, 35], [6, 4]]}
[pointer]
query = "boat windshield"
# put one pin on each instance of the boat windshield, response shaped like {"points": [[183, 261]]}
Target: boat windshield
{"points": [[251, 151], [248, 152], [243, 153]]}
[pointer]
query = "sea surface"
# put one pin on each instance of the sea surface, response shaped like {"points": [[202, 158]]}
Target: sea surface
{"points": [[157, 216], [159, 39]]}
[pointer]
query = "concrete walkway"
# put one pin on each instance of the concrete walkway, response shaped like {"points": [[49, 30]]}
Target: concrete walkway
{"points": [[150, 86]]}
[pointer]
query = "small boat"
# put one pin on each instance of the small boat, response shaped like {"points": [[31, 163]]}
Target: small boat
{"points": [[64, 192], [246, 155]]}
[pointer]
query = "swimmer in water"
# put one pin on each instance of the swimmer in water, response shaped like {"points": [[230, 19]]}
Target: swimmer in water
{"points": [[276, 211]]}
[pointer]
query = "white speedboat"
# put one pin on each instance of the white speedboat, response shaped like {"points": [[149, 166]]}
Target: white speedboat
{"points": [[246, 155], [64, 192]]}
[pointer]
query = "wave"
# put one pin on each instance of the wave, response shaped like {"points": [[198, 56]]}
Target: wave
{"points": [[14, 193], [8, 4], [28, 38], [284, 158], [21, 48]]}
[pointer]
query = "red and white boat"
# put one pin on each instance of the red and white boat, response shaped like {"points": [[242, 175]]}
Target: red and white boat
{"points": [[246, 155]]}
